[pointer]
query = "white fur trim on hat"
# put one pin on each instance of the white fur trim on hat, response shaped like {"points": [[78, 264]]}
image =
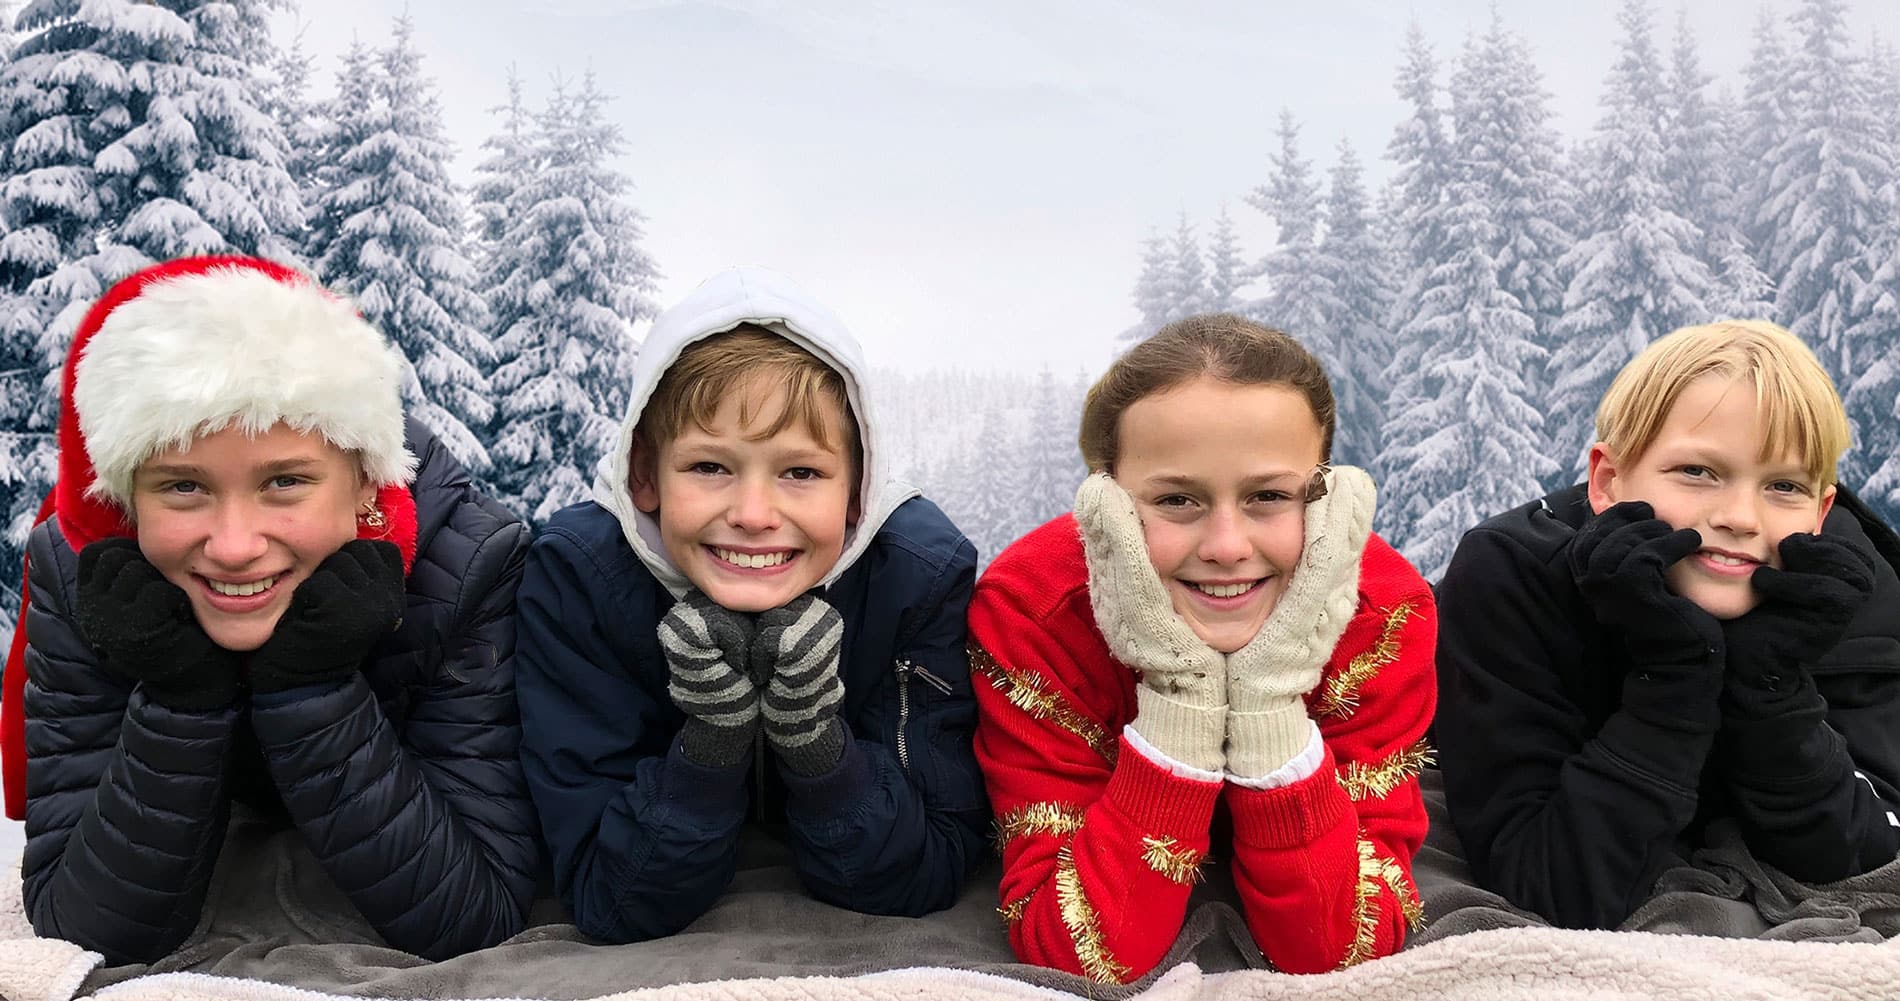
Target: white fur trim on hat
{"points": [[234, 346]]}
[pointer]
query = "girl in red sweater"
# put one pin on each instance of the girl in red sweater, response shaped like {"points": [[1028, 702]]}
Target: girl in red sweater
{"points": [[1214, 627]]}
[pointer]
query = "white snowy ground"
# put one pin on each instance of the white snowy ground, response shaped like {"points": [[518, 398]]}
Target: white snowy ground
{"points": [[12, 839]]}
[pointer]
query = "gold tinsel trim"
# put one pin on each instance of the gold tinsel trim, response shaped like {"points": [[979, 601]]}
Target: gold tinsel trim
{"points": [[1036, 818], [1085, 929], [1377, 873], [1166, 856], [1376, 780], [1339, 696], [1027, 692], [1394, 877], [1012, 912], [1365, 907]]}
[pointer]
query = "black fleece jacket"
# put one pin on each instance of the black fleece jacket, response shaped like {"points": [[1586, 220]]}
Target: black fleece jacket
{"points": [[1567, 782]]}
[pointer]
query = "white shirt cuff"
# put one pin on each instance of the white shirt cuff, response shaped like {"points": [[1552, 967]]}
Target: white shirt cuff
{"points": [[1303, 764], [1175, 768]]}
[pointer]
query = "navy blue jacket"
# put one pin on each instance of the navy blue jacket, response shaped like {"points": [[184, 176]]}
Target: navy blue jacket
{"points": [[644, 840], [404, 780]]}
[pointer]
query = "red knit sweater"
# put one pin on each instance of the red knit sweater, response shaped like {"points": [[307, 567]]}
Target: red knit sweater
{"points": [[1100, 844]]}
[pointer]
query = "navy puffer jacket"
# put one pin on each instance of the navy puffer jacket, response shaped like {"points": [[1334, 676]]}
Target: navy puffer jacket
{"points": [[404, 780]]}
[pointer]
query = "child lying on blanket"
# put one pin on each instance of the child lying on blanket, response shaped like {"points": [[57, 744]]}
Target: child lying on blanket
{"points": [[246, 587], [749, 596], [1705, 629], [1215, 626]]}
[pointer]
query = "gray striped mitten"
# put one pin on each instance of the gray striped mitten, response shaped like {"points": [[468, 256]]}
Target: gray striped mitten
{"points": [[707, 649], [797, 647]]}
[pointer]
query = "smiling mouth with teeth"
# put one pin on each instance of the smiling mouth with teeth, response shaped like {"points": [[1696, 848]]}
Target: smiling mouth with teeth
{"points": [[1729, 561], [1224, 590], [752, 561], [241, 590]]}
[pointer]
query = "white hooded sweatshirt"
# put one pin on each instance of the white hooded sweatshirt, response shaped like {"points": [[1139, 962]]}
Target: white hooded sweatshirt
{"points": [[724, 301]]}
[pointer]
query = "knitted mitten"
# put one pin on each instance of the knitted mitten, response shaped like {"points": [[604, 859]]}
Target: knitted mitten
{"points": [[1181, 704], [707, 647], [1267, 679], [797, 649], [143, 626], [354, 598]]}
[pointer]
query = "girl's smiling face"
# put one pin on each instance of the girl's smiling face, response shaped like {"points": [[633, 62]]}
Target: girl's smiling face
{"points": [[238, 521], [1219, 472]]}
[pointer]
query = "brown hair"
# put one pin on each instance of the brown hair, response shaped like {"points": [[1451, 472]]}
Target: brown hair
{"points": [[709, 370], [1219, 345], [1800, 410]]}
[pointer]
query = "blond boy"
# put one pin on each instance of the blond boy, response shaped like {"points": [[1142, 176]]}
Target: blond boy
{"points": [[749, 619], [1708, 628]]}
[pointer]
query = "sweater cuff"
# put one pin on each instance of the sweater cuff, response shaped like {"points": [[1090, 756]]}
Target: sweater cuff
{"points": [[1290, 816], [703, 790], [835, 792], [1155, 799]]}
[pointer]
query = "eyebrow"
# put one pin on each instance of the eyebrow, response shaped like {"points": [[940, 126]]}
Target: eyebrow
{"points": [[1177, 480], [183, 470], [1702, 456]]}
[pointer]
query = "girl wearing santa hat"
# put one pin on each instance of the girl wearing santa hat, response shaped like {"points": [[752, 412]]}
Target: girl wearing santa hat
{"points": [[256, 583]]}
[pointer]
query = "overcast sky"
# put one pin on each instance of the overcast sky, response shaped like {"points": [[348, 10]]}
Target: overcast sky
{"points": [[968, 183]]}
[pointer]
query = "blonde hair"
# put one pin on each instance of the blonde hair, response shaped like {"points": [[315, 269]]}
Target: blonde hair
{"points": [[1219, 345], [1798, 404], [711, 369]]}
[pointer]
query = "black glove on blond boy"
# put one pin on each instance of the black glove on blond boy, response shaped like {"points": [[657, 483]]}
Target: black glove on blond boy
{"points": [[1619, 560]]}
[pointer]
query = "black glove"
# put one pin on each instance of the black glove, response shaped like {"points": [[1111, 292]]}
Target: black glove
{"points": [[1805, 607], [1619, 559], [144, 627], [354, 598], [707, 647]]}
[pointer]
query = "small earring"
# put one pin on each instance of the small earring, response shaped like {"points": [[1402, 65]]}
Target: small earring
{"points": [[374, 518]]}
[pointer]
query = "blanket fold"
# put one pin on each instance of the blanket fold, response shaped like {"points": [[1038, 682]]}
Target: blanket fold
{"points": [[276, 929]]}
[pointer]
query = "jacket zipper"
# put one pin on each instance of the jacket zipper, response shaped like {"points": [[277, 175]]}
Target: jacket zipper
{"points": [[905, 671]]}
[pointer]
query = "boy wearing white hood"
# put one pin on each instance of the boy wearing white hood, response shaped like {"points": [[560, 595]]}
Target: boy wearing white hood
{"points": [[749, 614]]}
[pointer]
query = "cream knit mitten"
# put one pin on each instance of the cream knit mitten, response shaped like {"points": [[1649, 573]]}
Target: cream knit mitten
{"points": [[1267, 679], [1181, 703]]}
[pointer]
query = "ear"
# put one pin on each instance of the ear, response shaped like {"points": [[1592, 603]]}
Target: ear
{"points": [[1827, 504], [643, 480], [365, 492], [1603, 472]]}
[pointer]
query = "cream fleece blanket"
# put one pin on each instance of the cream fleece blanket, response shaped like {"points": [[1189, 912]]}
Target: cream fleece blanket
{"points": [[1795, 942]]}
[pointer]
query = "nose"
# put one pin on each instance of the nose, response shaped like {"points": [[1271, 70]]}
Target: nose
{"points": [[753, 508], [1737, 511], [1225, 540], [237, 536]]}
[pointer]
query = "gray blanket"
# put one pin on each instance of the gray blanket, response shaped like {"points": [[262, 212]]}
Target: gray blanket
{"points": [[274, 916]]}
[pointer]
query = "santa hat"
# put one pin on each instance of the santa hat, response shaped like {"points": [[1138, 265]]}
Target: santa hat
{"points": [[198, 345], [194, 346]]}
